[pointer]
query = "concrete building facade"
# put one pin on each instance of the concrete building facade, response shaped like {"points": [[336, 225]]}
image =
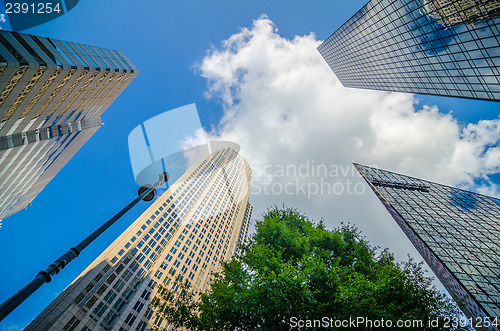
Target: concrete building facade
{"points": [[52, 95]]}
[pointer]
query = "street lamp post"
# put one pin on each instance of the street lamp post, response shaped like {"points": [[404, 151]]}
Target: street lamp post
{"points": [[45, 276]]}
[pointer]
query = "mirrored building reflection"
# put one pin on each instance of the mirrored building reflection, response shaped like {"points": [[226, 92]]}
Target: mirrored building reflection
{"points": [[455, 231], [434, 47], [183, 236], [170, 142], [52, 95], [449, 12]]}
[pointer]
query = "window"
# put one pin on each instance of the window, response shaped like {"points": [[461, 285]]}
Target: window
{"points": [[148, 313], [133, 266], [89, 286], [126, 260], [100, 309], [119, 269], [142, 326], [110, 318], [118, 285], [158, 320], [138, 306], [111, 278], [72, 324], [110, 297], [79, 298], [98, 277], [130, 319], [145, 294], [106, 268], [127, 293], [126, 275], [102, 289], [119, 305], [91, 302]]}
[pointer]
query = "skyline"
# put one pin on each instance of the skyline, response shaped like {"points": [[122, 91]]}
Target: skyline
{"points": [[181, 57]]}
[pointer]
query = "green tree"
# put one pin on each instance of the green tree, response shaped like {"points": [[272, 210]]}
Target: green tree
{"points": [[292, 269]]}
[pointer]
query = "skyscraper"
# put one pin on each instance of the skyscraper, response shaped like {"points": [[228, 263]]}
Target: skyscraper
{"points": [[52, 95], [184, 235], [455, 231], [435, 47]]}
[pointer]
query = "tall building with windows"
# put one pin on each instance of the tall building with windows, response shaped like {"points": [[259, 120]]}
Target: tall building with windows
{"points": [[455, 231], [434, 47], [52, 95], [184, 235]]}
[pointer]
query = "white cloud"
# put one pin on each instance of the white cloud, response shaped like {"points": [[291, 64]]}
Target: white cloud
{"points": [[287, 110]]}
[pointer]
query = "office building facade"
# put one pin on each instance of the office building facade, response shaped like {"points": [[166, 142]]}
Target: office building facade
{"points": [[52, 95], [434, 47], [184, 235], [455, 231]]}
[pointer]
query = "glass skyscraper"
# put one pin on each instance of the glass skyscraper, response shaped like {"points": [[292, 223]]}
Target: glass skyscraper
{"points": [[435, 47], [184, 235], [455, 231], [52, 95]]}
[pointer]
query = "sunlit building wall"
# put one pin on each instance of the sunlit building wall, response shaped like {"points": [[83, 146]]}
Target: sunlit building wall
{"points": [[52, 95], [455, 231], [183, 236], [414, 46]]}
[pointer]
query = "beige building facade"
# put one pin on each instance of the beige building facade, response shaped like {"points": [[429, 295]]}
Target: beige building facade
{"points": [[184, 235], [451, 12]]}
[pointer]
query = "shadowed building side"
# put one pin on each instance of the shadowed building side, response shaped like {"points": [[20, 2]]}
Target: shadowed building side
{"points": [[454, 230]]}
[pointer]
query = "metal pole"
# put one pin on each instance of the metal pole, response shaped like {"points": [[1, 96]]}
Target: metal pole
{"points": [[45, 276]]}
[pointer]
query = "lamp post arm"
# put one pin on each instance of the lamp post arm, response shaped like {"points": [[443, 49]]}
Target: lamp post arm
{"points": [[45, 276]]}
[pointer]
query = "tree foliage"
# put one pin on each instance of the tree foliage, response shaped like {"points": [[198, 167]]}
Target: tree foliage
{"points": [[292, 267]]}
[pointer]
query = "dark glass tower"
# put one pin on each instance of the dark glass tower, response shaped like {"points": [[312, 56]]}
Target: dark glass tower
{"points": [[436, 47], [455, 231], [52, 95]]}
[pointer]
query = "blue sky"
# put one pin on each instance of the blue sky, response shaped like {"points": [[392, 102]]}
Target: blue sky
{"points": [[169, 41]]}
